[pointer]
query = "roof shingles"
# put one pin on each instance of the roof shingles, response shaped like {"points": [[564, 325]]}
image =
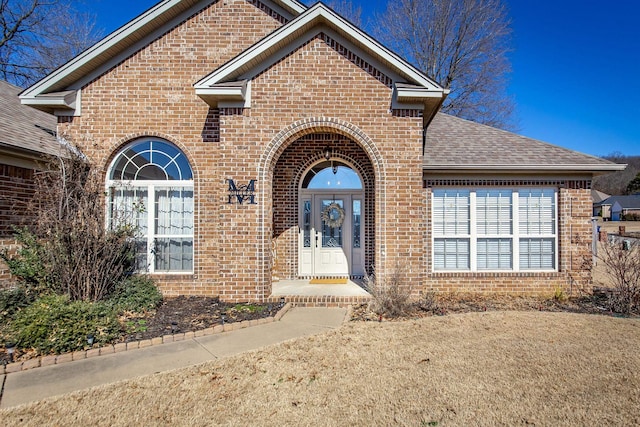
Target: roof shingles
{"points": [[24, 127], [452, 141]]}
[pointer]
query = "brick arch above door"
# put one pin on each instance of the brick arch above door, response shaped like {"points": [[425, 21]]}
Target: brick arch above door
{"points": [[290, 169]]}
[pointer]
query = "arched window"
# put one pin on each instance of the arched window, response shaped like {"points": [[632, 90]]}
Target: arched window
{"points": [[332, 175], [150, 184]]}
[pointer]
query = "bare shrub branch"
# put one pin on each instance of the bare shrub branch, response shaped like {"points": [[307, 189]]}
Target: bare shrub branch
{"points": [[622, 267], [68, 249], [389, 297]]}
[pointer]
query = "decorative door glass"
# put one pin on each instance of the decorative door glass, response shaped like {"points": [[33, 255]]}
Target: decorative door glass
{"points": [[332, 221], [357, 216], [306, 224]]}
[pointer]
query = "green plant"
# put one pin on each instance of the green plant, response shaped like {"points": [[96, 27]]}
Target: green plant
{"points": [[135, 326], [13, 300], [28, 264], [249, 308], [559, 295], [135, 294], [54, 324]]}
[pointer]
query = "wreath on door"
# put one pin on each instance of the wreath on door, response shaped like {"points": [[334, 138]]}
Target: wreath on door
{"points": [[333, 215]]}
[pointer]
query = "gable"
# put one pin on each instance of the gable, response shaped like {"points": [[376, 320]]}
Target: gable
{"points": [[231, 83], [60, 92]]}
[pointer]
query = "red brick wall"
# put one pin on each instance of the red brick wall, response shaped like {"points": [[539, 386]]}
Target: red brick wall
{"points": [[16, 189], [288, 173], [151, 94], [319, 91]]}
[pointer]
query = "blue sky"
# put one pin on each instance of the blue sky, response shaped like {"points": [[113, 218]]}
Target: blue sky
{"points": [[576, 68]]}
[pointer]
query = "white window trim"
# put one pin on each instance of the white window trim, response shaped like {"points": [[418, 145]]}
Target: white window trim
{"points": [[150, 186], [514, 236]]}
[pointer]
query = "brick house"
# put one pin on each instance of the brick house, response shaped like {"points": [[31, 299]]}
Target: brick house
{"points": [[25, 135], [272, 142]]}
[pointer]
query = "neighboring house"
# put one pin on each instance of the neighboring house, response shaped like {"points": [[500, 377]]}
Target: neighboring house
{"points": [[271, 141], [619, 208], [597, 197], [25, 135]]}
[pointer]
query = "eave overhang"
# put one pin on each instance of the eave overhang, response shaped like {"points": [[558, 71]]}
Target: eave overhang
{"points": [[117, 46], [60, 103], [411, 86], [595, 169]]}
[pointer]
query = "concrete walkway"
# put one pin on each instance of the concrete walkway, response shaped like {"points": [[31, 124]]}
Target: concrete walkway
{"points": [[36, 384]]}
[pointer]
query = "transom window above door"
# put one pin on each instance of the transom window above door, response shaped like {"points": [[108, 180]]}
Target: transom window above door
{"points": [[332, 175], [150, 187]]}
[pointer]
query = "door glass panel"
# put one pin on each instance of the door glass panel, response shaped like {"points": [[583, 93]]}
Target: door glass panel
{"points": [[357, 215], [306, 223], [332, 212]]}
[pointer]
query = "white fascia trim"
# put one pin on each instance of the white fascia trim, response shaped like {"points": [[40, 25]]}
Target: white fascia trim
{"points": [[41, 87], [539, 168], [315, 13], [291, 6], [61, 103], [97, 49], [411, 92]]}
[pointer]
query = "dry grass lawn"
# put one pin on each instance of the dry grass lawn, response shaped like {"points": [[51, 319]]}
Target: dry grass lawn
{"points": [[612, 226], [492, 368]]}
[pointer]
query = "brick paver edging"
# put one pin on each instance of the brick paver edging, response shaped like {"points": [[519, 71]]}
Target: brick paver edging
{"points": [[132, 345]]}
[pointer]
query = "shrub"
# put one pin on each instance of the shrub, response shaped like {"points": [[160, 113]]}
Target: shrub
{"points": [[390, 297], [54, 324], [68, 248], [27, 265], [11, 301], [622, 266], [135, 294]]}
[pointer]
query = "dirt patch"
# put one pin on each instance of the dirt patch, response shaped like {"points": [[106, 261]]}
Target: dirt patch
{"points": [[493, 368]]}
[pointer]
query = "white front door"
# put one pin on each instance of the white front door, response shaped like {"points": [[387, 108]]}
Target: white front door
{"points": [[332, 229], [331, 234]]}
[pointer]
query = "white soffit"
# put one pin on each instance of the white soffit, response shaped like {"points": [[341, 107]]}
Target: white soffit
{"points": [[311, 22], [125, 41]]}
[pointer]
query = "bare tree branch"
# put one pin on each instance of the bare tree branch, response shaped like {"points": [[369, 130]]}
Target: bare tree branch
{"points": [[463, 45], [36, 36], [347, 10]]}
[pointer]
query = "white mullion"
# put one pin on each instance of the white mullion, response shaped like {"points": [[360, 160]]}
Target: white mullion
{"points": [[151, 232], [555, 229], [515, 215], [473, 232]]}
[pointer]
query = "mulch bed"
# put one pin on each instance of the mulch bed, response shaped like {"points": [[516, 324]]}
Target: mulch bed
{"points": [[191, 313], [443, 304], [186, 313]]}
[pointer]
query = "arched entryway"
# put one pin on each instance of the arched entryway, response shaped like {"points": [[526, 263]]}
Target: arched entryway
{"points": [[323, 209]]}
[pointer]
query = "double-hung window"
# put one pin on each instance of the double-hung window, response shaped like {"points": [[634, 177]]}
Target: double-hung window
{"points": [[151, 188], [494, 229]]}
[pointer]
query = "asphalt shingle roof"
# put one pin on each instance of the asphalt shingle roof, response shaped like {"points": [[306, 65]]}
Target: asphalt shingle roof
{"points": [[627, 202], [25, 127], [452, 141]]}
